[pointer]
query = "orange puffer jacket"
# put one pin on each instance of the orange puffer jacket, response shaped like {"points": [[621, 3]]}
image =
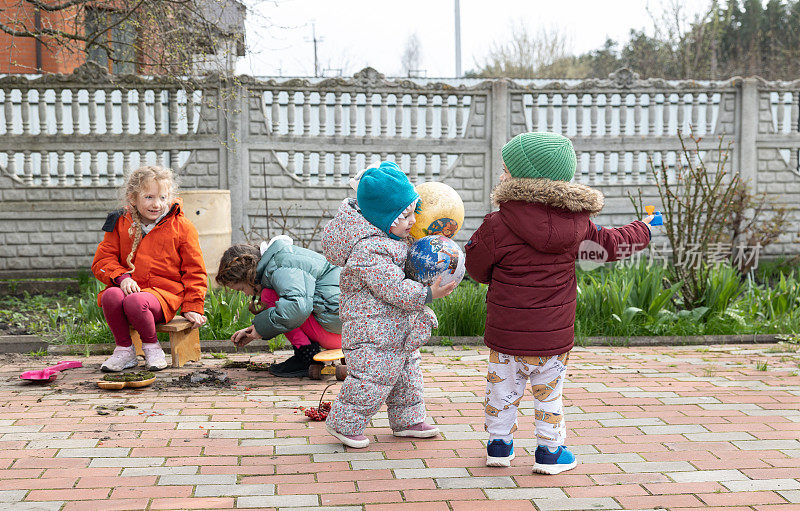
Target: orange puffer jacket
{"points": [[169, 263]]}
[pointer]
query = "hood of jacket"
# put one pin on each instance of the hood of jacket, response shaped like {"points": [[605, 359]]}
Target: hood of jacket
{"points": [[274, 247], [548, 215], [345, 231]]}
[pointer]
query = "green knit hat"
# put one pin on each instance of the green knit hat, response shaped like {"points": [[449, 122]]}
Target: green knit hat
{"points": [[540, 154]]}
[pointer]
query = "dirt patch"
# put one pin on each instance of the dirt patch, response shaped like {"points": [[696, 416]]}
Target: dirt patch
{"points": [[204, 378]]}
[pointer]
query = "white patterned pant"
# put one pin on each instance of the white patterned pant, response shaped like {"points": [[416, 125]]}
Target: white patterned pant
{"points": [[507, 378]]}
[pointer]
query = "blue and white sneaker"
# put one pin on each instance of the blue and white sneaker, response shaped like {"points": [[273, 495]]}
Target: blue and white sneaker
{"points": [[553, 462], [499, 453]]}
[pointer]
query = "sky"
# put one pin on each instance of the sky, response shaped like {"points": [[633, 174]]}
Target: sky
{"points": [[358, 33]]}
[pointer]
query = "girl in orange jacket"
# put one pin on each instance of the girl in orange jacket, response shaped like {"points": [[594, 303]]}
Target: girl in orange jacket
{"points": [[151, 264]]}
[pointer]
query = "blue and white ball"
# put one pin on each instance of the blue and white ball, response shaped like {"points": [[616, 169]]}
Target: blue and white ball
{"points": [[432, 256]]}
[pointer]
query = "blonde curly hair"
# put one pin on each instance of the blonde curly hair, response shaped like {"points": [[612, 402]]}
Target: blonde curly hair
{"points": [[135, 181]]}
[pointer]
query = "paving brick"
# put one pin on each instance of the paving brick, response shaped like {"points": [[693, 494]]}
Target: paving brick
{"points": [[475, 482], [480, 505], [387, 464], [763, 485], [34, 506], [656, 466], [576, 504], [278, 501], [524, 493], [193, 503], [126, 462], [159, 471], [707, 475], [196, 479], [414, 473], [106, 504], [12, 495], [746, 498], [233, 490]]}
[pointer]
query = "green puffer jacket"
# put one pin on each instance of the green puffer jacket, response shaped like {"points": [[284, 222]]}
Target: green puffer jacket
{"points": [[305, 282]]}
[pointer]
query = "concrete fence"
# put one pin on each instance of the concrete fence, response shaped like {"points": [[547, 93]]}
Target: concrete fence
{"points": [[286, 148]]}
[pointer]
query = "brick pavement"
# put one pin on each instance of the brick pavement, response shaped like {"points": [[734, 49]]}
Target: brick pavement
{"points": [[654, 428]]}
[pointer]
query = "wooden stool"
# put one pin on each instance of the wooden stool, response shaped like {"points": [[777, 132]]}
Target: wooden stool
{"points": [[184, 341]]}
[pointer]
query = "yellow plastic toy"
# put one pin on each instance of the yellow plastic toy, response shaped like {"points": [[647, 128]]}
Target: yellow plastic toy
{"points": [[442, 211]]}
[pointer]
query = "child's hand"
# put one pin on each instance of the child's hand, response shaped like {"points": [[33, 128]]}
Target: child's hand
{"points": [[129, 286], [244, 336], [439, 291], [648, 219], [197, 320]]}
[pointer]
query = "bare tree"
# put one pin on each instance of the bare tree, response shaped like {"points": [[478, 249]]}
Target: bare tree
{"points": [[412, 55], [526, 53], [128, 36]]}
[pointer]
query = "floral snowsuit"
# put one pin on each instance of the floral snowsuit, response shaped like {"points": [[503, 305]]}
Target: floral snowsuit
{"points": [[384, 323]]}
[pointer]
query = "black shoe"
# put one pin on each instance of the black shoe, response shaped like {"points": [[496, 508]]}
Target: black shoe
{"points": [[296, 366]]}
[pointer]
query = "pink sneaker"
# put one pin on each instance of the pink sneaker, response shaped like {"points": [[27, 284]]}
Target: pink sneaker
{"points": [[418, 430], [354, 441]]}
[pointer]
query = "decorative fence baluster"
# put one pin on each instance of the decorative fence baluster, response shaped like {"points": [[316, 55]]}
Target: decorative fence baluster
{"points": [[352, 126], [337, 114], [414, 112], [306, 113], [61, 169], [384, 116], [158, 110], [368, 115], [45, 155], [275, 113], [681, 112], [41, 103], [8, 111], [125, 111], [92, 111], [445, 116], [25, 111], [108, 110], [623, 115], [27, 168], [398, 114], [323, 114], [337, 168], [429, 115], [637, 113], [460, 116], [709, 112], [141, 107]]}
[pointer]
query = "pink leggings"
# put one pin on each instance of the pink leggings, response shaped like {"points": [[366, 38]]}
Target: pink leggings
{"points": [[138, 310], [309, 331]]}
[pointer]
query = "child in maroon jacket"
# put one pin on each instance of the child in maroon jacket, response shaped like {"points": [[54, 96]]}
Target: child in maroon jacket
{"points": [[526, 252]]}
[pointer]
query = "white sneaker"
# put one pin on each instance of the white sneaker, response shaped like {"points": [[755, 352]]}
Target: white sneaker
{"points": [[122, 358], [154, 358]]}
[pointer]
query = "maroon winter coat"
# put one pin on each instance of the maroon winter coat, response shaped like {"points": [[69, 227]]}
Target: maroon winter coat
{"points": [[526, 252]]}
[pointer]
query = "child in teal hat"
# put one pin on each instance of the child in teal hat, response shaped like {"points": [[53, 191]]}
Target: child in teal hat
{"points": [[384, 317]]}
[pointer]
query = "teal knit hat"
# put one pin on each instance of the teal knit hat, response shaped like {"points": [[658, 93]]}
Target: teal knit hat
{"points": [[383, 193], [540, 154]]}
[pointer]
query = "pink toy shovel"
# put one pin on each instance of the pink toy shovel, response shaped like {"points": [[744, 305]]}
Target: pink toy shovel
{"points": [[50, 373]]}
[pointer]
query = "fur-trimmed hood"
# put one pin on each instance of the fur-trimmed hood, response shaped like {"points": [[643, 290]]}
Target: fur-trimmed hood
{"points": [[557, 194], [548, 215]]}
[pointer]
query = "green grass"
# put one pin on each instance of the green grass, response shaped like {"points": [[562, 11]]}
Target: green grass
{"points": [[614, 301], [463, 312]]}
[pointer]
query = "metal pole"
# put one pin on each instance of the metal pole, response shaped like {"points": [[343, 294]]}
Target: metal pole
{"points": [[314, 37], [458, 39]]}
